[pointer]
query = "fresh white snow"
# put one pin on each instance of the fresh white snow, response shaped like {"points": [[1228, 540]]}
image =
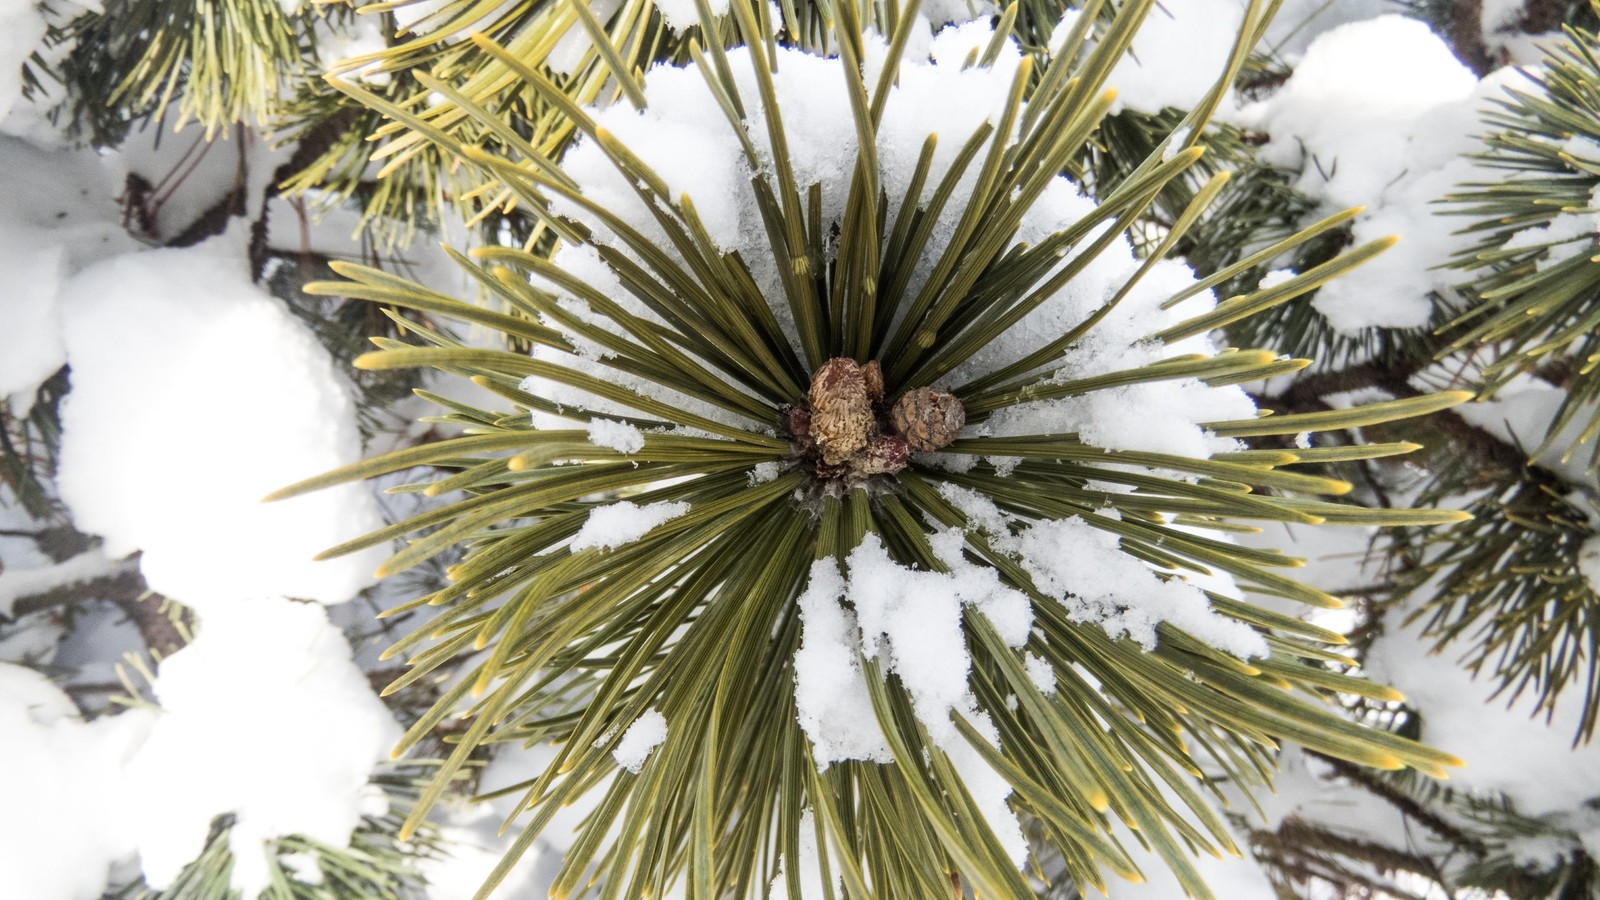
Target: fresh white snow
{"points": [[623, 522]]}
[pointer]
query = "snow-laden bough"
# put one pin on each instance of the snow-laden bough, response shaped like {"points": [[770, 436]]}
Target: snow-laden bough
{"points": [[929, 477]]}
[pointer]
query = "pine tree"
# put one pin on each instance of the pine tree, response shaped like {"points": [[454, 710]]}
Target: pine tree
{"points": [[830, 392]]}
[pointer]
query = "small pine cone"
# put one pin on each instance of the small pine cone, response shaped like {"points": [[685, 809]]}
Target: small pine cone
{"points": [[928, 419], [872, 375], [799, 421], [886, 454], [841, 412]]}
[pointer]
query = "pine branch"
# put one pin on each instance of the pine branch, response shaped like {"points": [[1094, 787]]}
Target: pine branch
{"points": [[1409, 806], [128, 590], [1305, 851]]}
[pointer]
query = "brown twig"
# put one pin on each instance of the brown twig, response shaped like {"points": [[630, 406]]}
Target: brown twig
{"points": [[128, 590]]}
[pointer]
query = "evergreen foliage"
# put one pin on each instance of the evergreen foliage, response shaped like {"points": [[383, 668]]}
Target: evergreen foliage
{"points": [[469, 112], [1535, 271], [590, 641]]}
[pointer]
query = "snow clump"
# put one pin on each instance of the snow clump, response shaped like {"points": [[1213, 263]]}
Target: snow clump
{"points": [[615, 524]]}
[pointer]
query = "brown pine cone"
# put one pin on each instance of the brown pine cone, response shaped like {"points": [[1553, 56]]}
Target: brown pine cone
{"points": [[872, 375], [841, 410], [886, 454], [928, 419]]}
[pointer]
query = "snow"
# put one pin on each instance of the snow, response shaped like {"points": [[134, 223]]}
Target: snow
{"points": [[1230, 877], [45, 234], [1356, 140], [1299, 22], [69, 814], [472, 846], [809, 869], [910, 621], [1040, 673], [18, 583], [681, 14], [1521, 413], [188, 382], [33, 277], [474, 842], [1570, 232], [1589, 562], [989, 790], [1085, 568], [1508, 748], [642, 737], [1177, 55], [1348, 76], [831, 696], [568, 53], [615, 524], [683, 136], [618, 436], [186, 378], [22, 28], [940, 12], [359, 36], [263, 716], [1500, 15]]}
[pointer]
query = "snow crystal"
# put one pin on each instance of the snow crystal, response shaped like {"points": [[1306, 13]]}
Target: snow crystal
{"points": [[618, 436], [263, 716], [643, 736], [193, 395], [623, 522], [761, 473]]}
